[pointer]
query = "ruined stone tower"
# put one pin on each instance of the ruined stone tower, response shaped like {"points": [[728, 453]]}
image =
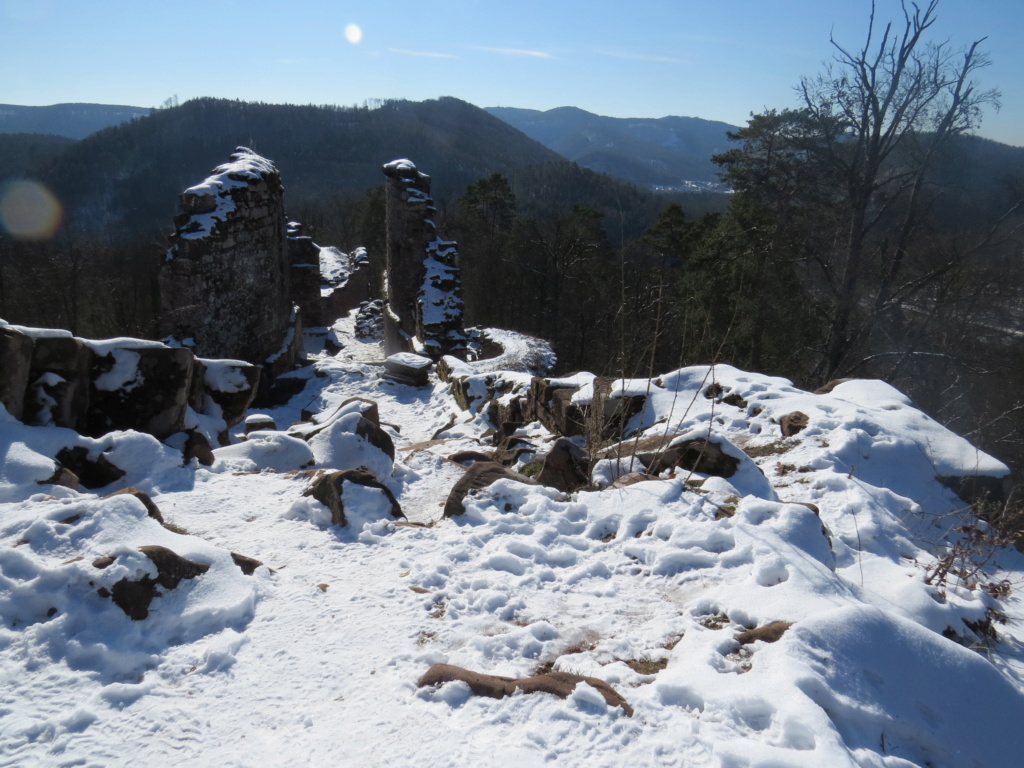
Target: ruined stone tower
{"points": [[422, 291], [225, 281]]}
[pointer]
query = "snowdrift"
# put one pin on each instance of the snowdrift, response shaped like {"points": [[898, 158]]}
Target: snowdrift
{"points": [[791, 613]]}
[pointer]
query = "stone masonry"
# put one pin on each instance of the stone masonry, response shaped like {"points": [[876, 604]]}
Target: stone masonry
{"points": [[422, 291], [225, 283]]}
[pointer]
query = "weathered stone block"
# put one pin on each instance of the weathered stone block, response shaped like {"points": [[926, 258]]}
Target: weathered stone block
{"points": [[16, 363], [59, 386], [142, 388]]}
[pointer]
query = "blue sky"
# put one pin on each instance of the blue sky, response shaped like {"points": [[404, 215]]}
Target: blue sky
{"points": [[645, 58]]}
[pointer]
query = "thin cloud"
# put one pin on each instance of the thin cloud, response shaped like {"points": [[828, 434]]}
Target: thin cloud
{"points": [[428, 54], [513, 51], [640, 57]]}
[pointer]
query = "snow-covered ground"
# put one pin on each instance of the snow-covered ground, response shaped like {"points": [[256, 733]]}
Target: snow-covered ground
{"points": [[314, 659]]}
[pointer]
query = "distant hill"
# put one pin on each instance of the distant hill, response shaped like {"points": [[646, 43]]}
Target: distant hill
{"points": [[673, 152], [73, 121], [125, 179]]}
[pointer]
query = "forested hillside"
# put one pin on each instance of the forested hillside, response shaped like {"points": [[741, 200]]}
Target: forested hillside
{"points": [[72, 121], [667, 152]]}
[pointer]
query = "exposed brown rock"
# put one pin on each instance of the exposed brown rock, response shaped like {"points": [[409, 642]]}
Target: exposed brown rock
{"points": [[151, 508], [561, 684], [424, 291], [236, 399], [198, 447], [553, 407], [367, 407], [793, 423], [134, 596], [407, 368], [154, 401], [565, 467], [631, 478], [328, 489], [824, 390], [247, 564], [469, 457], [769, 633], [480, 475], [59, 383], [64, 477], [242, 235], [259, 422], [696, 455], [16, 363]]}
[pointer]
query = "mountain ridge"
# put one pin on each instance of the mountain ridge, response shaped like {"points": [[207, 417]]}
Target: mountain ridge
{"points": [[671, 152]]}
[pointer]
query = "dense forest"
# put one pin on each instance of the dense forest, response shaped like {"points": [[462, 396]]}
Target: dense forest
{"points": [[859, 240], [119, 188]]}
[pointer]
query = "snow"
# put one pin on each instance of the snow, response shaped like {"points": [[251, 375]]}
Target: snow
{"points": [[335, 267], [225, 375], [106, 346], [314, 658], [244, 167], [439, 305], [123, 375]]}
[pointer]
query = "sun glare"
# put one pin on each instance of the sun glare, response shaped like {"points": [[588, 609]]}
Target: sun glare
{"points": [[28, 210], [353, 34]]}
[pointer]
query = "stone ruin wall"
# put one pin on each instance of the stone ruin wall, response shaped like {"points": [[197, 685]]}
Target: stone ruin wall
{"points": [[232, 277], [51, 378], [225, 283], [422, 291], [323, 298]]}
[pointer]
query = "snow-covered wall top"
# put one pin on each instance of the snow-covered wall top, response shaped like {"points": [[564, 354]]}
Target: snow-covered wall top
{"points": [[225, 282]]}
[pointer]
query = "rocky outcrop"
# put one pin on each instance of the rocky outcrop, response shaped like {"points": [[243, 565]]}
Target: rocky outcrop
{"points": [[423, 290], [96, 387], [583, 404], [566, 467], [407, 368], [228, 256]]}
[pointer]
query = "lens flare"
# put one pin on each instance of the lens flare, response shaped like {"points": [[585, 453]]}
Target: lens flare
{"points": [[28, 210], [353, 34]]}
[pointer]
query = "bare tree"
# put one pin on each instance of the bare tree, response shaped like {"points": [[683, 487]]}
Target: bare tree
{"points": [[898, 100]]}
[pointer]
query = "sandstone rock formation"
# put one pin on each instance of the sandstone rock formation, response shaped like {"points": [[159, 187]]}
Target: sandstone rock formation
{"points": [[330, 489], [51, 378], [423, 291], [133, 596], [561, 684]]}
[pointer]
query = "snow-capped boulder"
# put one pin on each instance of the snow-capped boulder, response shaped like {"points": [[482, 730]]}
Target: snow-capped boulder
{"points": [[264, 450], [354, 495], [480, 475], [565, 467]]}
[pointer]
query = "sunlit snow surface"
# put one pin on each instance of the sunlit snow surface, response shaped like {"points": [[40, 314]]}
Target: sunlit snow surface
{"points": [[316, 662]]}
